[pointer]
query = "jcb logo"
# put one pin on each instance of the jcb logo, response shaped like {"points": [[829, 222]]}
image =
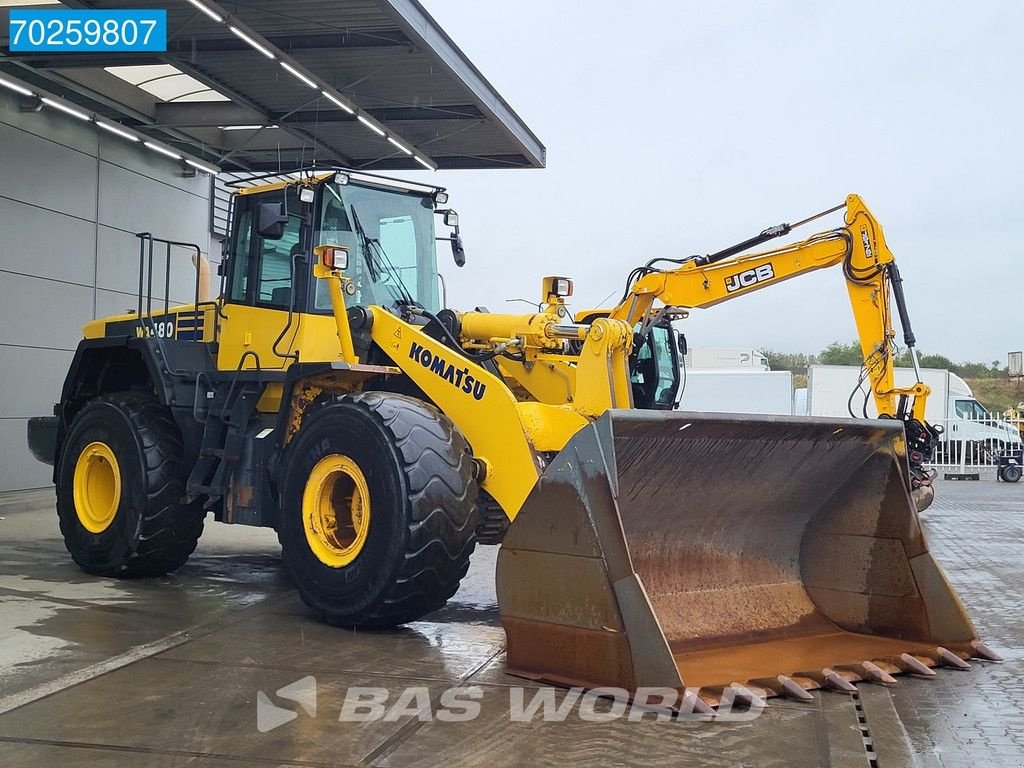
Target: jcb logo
{"points": [[748, 278]]}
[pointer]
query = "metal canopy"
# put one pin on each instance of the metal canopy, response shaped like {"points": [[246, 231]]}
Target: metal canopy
{"points": [[387, 59]]}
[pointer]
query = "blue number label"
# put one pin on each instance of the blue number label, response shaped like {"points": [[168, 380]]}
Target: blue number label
{"points": [[37, 31]]}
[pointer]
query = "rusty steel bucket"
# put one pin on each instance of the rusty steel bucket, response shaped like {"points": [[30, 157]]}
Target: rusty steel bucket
{"points": [[758, 553]]}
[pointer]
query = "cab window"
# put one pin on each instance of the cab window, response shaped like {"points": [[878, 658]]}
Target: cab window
{"points": [[261, 270], [239, 255], [390, 239], [655, 374], [970, 409]]}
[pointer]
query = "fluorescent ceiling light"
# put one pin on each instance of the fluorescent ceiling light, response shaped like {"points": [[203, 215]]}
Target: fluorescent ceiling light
{"points": [[428, 165], [202, 167], [208, 11], [117, 131], [15, 87], [400, 145], [371, 126], [166, 82], [162, 150], [298, 74], [242, 36], [244, 127], [65, 108], [339, 102]]}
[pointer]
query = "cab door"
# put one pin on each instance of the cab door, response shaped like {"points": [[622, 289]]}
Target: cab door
{"points": [[261, 280]]}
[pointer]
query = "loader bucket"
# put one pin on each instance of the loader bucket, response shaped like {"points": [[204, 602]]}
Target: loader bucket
{"points": [[710, 551]]}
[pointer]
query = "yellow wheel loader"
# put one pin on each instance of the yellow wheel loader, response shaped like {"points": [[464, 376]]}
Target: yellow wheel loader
{"points": [[326, 394]]}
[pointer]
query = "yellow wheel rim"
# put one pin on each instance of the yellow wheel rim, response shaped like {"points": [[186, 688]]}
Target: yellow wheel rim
{"points": [[97, 487], [336, 510]]}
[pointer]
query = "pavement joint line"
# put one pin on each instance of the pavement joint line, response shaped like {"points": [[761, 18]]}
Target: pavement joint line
{"points": [[132, 655], [907, 758], [32, 594], [821, 733], [246, 759], [305, 669], [865, 730], [392, 742]]}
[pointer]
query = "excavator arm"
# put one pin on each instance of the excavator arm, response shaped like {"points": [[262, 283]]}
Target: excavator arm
{"points": [[872, 280]]}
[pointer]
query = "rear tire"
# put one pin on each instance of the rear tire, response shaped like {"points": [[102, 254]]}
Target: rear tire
{"points": [[1011, 473], [136, 524], [399, 552]]}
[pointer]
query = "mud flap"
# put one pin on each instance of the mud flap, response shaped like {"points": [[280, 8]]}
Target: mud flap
{"points": [[706, 550]]}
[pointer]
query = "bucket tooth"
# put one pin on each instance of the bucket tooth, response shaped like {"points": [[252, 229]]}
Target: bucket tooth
{"points": [[871, 671], [914, 665], [832, 679], [982, 651], [787, 686], [695, 702], [807, 683], [741, 692], [950, 659], [783, 685]]}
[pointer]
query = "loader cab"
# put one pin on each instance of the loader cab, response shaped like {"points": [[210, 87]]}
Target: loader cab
{"points": [[388, 229], [387, 226], [390, 236]]}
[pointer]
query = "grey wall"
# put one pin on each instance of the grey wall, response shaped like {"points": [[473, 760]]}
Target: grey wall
{"points": [[71, 199]]}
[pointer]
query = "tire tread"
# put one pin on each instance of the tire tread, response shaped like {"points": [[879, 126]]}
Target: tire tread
{"points": [[168, 530]]}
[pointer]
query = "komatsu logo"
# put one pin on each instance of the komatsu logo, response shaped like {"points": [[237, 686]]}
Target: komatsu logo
{"points": [[749, 277], [460, 378]]}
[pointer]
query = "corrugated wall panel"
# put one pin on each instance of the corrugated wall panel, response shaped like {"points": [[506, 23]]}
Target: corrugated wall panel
{"points": [[64, 190]]}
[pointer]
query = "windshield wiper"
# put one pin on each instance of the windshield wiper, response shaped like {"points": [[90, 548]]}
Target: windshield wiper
{"points": [[365, 240], [400, 291]]}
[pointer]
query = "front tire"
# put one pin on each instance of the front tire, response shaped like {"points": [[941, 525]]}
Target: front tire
{"points": [[120, 487], [378, 510]]}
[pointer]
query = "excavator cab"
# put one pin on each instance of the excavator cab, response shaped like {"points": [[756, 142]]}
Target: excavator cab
{"points": [[655, 366], [655, 362]]}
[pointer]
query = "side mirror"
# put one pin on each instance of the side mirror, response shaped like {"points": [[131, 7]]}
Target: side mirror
{"points": [[272, 221], [681, 343], [458, 252]]}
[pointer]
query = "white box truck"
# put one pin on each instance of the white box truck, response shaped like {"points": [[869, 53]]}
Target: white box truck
{"points": [[737, 391], [731, 358], [951, 406]]}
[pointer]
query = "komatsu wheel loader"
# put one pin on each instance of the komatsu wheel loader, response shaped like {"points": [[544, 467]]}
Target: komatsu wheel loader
{"points": [[326, 394]]}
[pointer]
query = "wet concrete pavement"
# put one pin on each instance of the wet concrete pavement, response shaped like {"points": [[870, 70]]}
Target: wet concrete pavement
{"points": [[167, 672]]}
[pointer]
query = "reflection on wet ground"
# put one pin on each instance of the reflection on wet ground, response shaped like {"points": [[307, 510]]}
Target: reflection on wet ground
{"points": [[167, 672]]}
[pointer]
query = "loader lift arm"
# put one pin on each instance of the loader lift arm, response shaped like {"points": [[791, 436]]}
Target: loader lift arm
{"points": [[872, 279]]}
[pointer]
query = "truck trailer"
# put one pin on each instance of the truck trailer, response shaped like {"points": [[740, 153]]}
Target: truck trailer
{"points": [[842, 390]]}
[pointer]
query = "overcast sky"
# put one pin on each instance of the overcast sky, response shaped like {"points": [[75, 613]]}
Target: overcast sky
{"points": [[682, 127]]}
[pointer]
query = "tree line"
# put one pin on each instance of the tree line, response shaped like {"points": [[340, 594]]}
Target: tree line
{"points": [[838, 353]]}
